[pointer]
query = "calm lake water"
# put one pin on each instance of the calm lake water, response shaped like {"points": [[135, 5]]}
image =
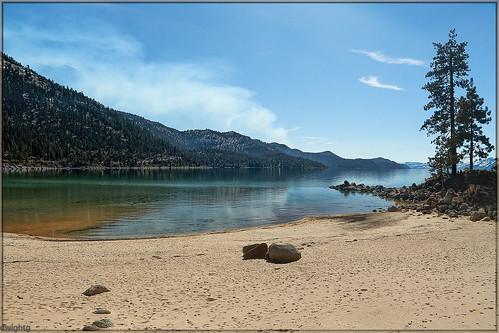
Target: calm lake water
{"points": [[144, 203]]}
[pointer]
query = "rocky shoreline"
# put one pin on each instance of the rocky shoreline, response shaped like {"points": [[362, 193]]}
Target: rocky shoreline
{"points": [[468, 196]]}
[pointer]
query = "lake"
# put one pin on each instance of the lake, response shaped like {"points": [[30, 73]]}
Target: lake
{"points": [[144, 203]]}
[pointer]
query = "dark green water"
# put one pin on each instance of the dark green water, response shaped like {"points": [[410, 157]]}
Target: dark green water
{"points": [[143, 203]]}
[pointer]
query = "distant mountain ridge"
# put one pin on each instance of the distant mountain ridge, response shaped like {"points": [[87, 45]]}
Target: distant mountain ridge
{"points": [[484, 164], [334, 161], [46, 124]]}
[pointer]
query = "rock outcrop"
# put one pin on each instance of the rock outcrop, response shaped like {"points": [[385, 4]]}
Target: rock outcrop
{"points": [[473, 194]]}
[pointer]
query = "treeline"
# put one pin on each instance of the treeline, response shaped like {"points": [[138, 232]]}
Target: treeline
{"points": [[456, 122]]}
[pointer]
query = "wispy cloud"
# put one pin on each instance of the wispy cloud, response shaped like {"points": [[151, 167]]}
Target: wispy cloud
{"points": [[373, 81], [316, 144], [110, 67], [379, 56]]}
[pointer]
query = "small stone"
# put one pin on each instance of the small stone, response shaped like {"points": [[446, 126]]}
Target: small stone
{"points": [[95, 289], [102, 311], [103, 323], [393, 209], [477, 215], [90, 328]]}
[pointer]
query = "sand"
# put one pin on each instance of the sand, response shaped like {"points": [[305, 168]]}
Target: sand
{"points": [[374, 271]]}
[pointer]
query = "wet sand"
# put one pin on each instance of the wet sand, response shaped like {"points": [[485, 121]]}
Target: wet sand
{"points": [[368, 271]]}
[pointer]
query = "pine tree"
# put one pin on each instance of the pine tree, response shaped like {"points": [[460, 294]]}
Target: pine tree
{"points": [[440, 163], [449, 69], [471, 115]]}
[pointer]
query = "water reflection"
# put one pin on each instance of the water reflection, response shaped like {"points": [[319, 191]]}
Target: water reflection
{"points": [[130, 203]]}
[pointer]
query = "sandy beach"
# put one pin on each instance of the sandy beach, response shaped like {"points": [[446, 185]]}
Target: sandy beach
{"points": [[380, 271]]}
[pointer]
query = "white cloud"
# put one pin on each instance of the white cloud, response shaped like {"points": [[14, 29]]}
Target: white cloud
{"points": [[373, 81], [378, 56], [109, 67]]}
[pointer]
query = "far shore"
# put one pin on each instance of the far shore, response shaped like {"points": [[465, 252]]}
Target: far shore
{"points": [[384, 271], [24, 168]]}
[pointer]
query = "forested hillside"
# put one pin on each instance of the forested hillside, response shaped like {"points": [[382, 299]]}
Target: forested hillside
{"points": [[46, 124]]}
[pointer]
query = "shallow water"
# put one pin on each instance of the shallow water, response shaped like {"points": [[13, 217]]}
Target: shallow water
{"points": [[145, 203]]}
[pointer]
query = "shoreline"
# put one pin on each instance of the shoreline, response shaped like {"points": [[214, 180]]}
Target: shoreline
{"points": [[23, 168], [193, 234], [384, 271]]}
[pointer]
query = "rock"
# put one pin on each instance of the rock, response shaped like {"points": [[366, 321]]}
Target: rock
{"points": [[282, 253], [447, 199], [477, 215], [452, 214], [90, 328], [103, 323], [95, 289], [392, 209], [442, 208], [102, 311], [255, 251], [486, 218], [457, 200], [346, 183], [463, 206]]}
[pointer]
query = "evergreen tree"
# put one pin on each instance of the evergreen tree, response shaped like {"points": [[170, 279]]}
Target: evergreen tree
{"points": [[449, 69], [440, 163], [471, 115]]}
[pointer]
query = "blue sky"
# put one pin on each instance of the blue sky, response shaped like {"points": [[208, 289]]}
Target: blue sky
{"points": [[340, 77]]}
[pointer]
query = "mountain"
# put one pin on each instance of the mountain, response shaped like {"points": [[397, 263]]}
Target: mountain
{"points": [[46, 124], [484, 164], [334, 161], [417, 165]]}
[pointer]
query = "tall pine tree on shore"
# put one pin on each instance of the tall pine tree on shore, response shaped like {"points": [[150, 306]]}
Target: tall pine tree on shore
{"points": [[448, 70], [471, 115]]}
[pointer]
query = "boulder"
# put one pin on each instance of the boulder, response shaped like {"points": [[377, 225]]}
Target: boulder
{"points": [[103, 323], [477, 215], [447, 199], [392, 209], [255, 251], [282, 253], [95, 289]]}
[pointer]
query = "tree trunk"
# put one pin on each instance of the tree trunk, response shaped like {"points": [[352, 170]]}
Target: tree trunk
{"points": [[471, 151], [452, 152]]}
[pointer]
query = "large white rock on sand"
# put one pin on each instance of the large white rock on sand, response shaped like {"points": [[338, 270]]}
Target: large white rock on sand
{"points": [[282, 253]]}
